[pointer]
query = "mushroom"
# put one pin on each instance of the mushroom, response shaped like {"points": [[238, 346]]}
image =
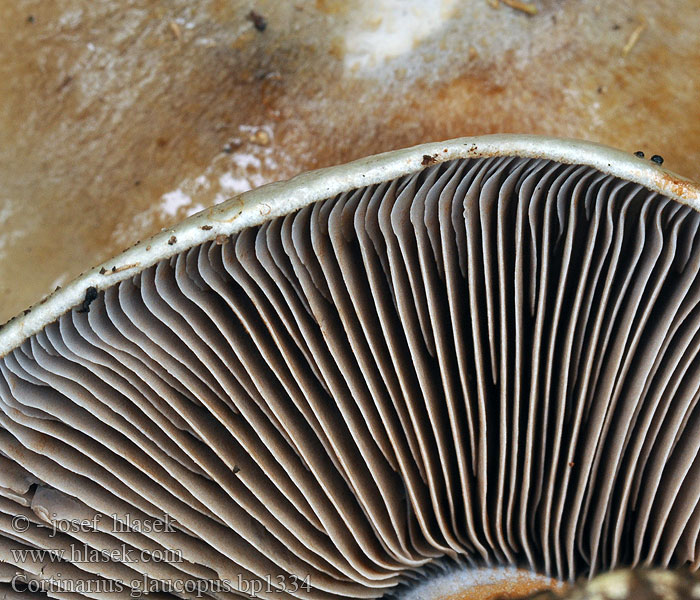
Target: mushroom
{"points": [[630, 584], [343, 385]]}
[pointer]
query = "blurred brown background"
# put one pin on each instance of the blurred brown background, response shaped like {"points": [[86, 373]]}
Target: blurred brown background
{"points": [[119, 118]]}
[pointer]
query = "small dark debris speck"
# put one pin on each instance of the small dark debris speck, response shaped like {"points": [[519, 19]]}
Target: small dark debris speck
{"points": [[206, 227], [616, 27], [90, 296], [137, 182], [258, 20], [66, 80], [172, 240], [659, 160], [103, 271], [571, 464], [27, 311], [639, 154], [428, 160], [114, 269], [228, 148], [236, 469], [600, 89], [30, 19]]}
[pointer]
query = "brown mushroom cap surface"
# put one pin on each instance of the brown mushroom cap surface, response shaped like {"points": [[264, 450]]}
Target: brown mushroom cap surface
{"points": [[119, 118], [484, 362]]}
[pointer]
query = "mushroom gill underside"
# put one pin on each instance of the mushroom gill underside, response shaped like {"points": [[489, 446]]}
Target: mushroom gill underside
{"points": [[487, 362]]}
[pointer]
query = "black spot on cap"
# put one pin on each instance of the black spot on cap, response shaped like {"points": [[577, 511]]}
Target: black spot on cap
{"points": [[90, 295]]}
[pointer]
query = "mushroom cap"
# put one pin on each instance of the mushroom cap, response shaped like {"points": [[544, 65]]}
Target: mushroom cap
{"points": [[478, 353]]}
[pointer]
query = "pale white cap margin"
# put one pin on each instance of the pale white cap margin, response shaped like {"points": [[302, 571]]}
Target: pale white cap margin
{"points": [[277, 199]]}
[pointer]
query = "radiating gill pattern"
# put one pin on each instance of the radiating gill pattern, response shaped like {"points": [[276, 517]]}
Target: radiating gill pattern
{"points": [[489, 362]]}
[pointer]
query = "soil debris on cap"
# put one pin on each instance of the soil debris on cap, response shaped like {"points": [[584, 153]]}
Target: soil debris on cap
{"points": [[175, 28], [634, 38], [90, 296], [172, 240], [428, 160], [260, 138], [259, 22], [529, 9], [66, 80], [116, 269]]}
